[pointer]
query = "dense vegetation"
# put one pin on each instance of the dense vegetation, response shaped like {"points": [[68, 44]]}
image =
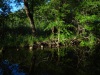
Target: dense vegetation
{"points": [[63, 21], [72, 24], [55, 20]]}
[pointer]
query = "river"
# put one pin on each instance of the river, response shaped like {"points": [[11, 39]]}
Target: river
{"points": [[56, 61]]}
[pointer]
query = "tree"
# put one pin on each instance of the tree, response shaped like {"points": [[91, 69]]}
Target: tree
{"points": [[29, 13], [30, 8]]}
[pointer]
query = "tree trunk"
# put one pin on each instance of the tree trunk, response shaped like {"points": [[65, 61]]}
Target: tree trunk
{"points": [[29, 15]]}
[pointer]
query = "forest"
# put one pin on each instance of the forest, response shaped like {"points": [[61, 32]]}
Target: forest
{"points": [[65, 31]]}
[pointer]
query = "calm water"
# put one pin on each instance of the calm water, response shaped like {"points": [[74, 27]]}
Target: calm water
{"points": [[63, 61]]}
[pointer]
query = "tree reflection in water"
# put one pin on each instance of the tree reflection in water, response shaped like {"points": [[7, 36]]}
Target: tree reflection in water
{"points": [[7, 68], [64, 61]]}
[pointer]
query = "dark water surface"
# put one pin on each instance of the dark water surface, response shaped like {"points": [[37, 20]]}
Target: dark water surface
{"points": [[61, 61]]}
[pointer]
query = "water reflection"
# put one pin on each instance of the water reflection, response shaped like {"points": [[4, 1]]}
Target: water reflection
{"points": [[22, 57], [6, 68], [61, 61]]}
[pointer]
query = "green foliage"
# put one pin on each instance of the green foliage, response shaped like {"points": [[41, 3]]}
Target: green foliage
{"points": [[18, 40], [90, 42], [64, 16], [70, 22], [86, 18]]}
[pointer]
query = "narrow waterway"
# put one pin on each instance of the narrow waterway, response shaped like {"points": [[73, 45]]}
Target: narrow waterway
{"points": [[58, 61]]}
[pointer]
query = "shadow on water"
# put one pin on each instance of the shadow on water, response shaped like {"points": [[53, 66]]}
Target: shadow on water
{"points": [[61, 61]]}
